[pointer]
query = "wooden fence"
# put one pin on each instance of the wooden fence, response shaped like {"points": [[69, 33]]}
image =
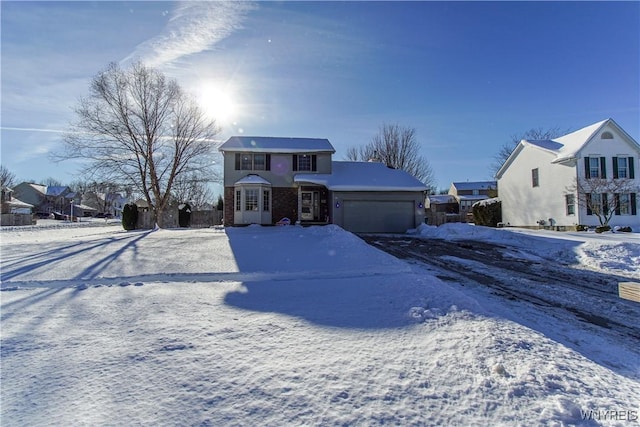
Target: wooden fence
{"points": [[16, 219], [199, 219]]}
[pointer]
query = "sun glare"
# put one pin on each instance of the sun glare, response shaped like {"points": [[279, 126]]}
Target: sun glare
{"points": [[218, 103]]}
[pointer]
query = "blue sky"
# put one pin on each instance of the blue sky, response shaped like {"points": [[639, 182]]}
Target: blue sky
{"points": [[466, 76]]}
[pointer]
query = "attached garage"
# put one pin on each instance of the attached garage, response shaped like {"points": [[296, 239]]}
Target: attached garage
{"points": [[368, 197], [371, 216]]}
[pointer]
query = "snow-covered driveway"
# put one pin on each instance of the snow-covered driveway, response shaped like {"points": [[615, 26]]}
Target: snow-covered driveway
{"points": [[274, 326]]}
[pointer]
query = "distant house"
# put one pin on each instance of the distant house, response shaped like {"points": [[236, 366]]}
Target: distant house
{"points": [[105, 203], [268, 179], [46, 200], [537, 183], [468, 193], [11, 205]]}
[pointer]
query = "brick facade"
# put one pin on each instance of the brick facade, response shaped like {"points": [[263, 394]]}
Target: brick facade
{"points": [[227, 218], [284, 203]]}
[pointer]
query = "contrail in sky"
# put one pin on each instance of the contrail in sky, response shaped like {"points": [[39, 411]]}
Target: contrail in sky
{"points": [[192, 28]]}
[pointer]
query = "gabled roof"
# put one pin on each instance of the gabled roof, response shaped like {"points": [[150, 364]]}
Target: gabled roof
{"points": [[252, 179], [566, 147], [263, 144], [363, 176], [56, 190]]}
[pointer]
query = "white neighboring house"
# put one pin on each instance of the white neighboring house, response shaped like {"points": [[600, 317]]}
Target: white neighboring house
{"points": [[537, 183]]}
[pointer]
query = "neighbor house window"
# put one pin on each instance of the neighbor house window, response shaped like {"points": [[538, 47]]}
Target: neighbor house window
{"points": [[252, 161], [570, 200], [266, 200], [304, 162], [620, 167], [251, 199], [595, 167], [535, 178], [606, 135], [624, 204]]}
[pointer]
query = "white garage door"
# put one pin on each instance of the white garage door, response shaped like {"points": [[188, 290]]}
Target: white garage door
{"points": [[367, 216]]}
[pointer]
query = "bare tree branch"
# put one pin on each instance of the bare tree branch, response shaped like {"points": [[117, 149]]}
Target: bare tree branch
{"points": [[398, 148], [604, 197], [138, 128]]}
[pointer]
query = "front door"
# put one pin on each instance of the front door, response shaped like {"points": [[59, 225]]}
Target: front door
{"points": [[309, 211]]}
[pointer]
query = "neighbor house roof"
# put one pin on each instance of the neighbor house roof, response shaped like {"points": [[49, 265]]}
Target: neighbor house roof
{"points": [[477, 185], [264, 144], [363, 176], [566, 147], [441, 199], [56, 190]]}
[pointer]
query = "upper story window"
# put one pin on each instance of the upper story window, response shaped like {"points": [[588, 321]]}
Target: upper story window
{"points": [[606, 135], [535, 178], [253, 162], [623, 167], [305, 162], [595, 167]]}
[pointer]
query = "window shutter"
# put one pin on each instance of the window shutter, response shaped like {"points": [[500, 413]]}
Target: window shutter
{"points": [[631, 171], [616, 198], [587, 170], [615, 168], [605, 204], [295, 162], [267, 165], [634, 210], [588, 198], [314, 163], [237, 161], [603, 167]]}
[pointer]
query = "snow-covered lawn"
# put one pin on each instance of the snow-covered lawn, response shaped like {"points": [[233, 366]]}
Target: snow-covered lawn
{"points": [[288, 326]]}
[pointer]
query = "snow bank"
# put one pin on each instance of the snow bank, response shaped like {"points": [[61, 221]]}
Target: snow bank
{"points": [[278, 326]]}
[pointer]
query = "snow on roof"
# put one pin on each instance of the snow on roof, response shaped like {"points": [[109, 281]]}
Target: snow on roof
{"points": [[546, 144], [15, 203], [265, 144], [252, 179], [474, 197], [574, 141], [478, 185], [56, 190], [363, 176], [441, 198], [39, 188]]}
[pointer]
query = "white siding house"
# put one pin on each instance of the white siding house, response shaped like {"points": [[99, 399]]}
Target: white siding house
{"points": [[537, 183]]}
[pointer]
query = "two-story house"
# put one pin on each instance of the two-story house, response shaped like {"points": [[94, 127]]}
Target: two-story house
{"points": [[539, 182], [468, 193], [45, 199], [267, 179], [11, 205]]}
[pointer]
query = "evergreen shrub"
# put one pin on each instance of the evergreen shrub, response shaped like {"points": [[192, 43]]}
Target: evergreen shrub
{"points": [[129, 216]]}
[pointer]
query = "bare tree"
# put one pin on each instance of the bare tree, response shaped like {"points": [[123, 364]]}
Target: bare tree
{"points": [[532, 134], [398, 148], [193, 188], [605, 197], [138, 127], [99, 195], [7, 178]]}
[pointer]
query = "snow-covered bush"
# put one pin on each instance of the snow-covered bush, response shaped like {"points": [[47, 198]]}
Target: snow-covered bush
{"points": [[487, 212]]}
